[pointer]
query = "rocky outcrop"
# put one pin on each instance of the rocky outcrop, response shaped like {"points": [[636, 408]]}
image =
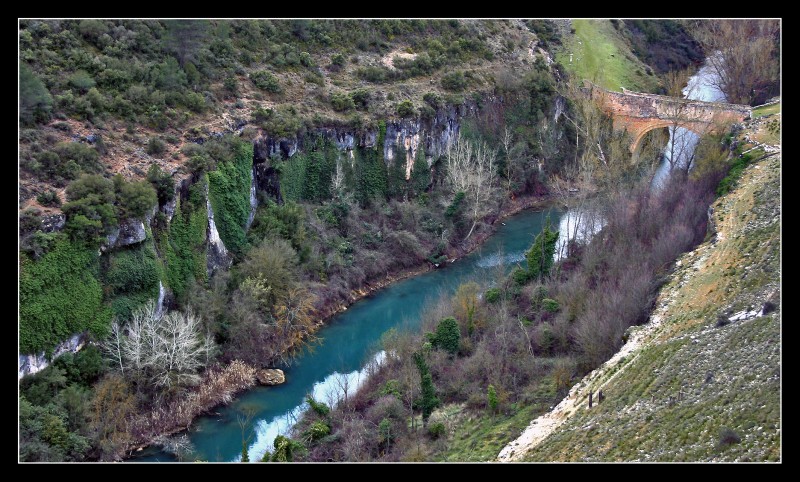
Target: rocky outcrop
{"points": [[130, 231], [53, 222], [270, 376], [30, 364]]}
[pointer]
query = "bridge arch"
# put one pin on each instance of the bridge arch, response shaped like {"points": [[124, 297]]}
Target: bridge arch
{"points": [[640, 113], [638, 136]]}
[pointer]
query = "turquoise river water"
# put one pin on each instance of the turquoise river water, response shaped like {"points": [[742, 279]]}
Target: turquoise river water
{"points": [[350, 342]]}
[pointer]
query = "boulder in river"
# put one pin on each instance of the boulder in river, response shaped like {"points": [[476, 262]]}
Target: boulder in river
{"points": [[270, 376]]}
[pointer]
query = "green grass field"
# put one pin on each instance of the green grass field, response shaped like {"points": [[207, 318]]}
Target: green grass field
{"points": [[602, 56], [480, 438], [767, 110]]}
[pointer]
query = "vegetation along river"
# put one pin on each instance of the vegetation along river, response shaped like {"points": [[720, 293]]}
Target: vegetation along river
{"points": [[350, 341]]}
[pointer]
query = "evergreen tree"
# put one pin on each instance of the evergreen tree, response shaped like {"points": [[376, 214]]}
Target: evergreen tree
{"points": [[429, 401], [448, 336], [35, 101], [540, 256], [491, 396], [184, 38], [420, 172]]}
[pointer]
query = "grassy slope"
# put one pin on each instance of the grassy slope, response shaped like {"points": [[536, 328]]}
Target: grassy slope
{"points": [[727, 377], [767, 110], [476, 438], [601, 55]]}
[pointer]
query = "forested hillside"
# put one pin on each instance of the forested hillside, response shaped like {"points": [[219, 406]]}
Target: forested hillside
{"points": [[258, 173], [197, 197]]}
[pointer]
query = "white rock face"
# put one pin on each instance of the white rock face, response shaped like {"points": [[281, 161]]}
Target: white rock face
{"points": [[30, 364], [253, 201], [217, 254], [160, 303]]}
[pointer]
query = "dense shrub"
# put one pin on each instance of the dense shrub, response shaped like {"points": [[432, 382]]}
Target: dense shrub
{"points": [[342, 102], [49, 198], [319, 408], [90, 211], [81, 80], [229, 193], [338, 60], [35, 101], [81, 154], [454, 81], [282, 121], [375, 74], [436, 430], [447, 336], [405, 108], [728, 437], [156, 147], [162, 182], [550, 305], [361, 98], [264, 80], [492, 295], [134, 198], [60, 295]]}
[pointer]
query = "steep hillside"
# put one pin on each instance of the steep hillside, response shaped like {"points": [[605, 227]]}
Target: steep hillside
{"points": [[599, 52], [701, 380], [142, 91]]}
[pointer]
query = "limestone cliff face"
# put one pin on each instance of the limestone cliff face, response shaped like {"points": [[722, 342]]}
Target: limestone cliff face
{"points": [[30, 364], [403, 138]]}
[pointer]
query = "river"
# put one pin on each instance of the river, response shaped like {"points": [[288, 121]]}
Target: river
{"points": [[701, 86], [350, 344]]}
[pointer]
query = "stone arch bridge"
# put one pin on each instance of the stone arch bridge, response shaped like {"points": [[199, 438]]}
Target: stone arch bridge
{"points": [[639, 113]]}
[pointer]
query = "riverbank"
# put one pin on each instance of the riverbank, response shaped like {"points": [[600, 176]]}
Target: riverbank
{"points": [[713, 341], [509, 208], [178, 416]]}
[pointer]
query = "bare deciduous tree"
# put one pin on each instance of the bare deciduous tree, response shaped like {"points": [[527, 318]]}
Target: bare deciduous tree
{"points": [[509, 151], [165, 350], [680, 150], [337, 181], [471, 170], [741, 54], [549, 138]]}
